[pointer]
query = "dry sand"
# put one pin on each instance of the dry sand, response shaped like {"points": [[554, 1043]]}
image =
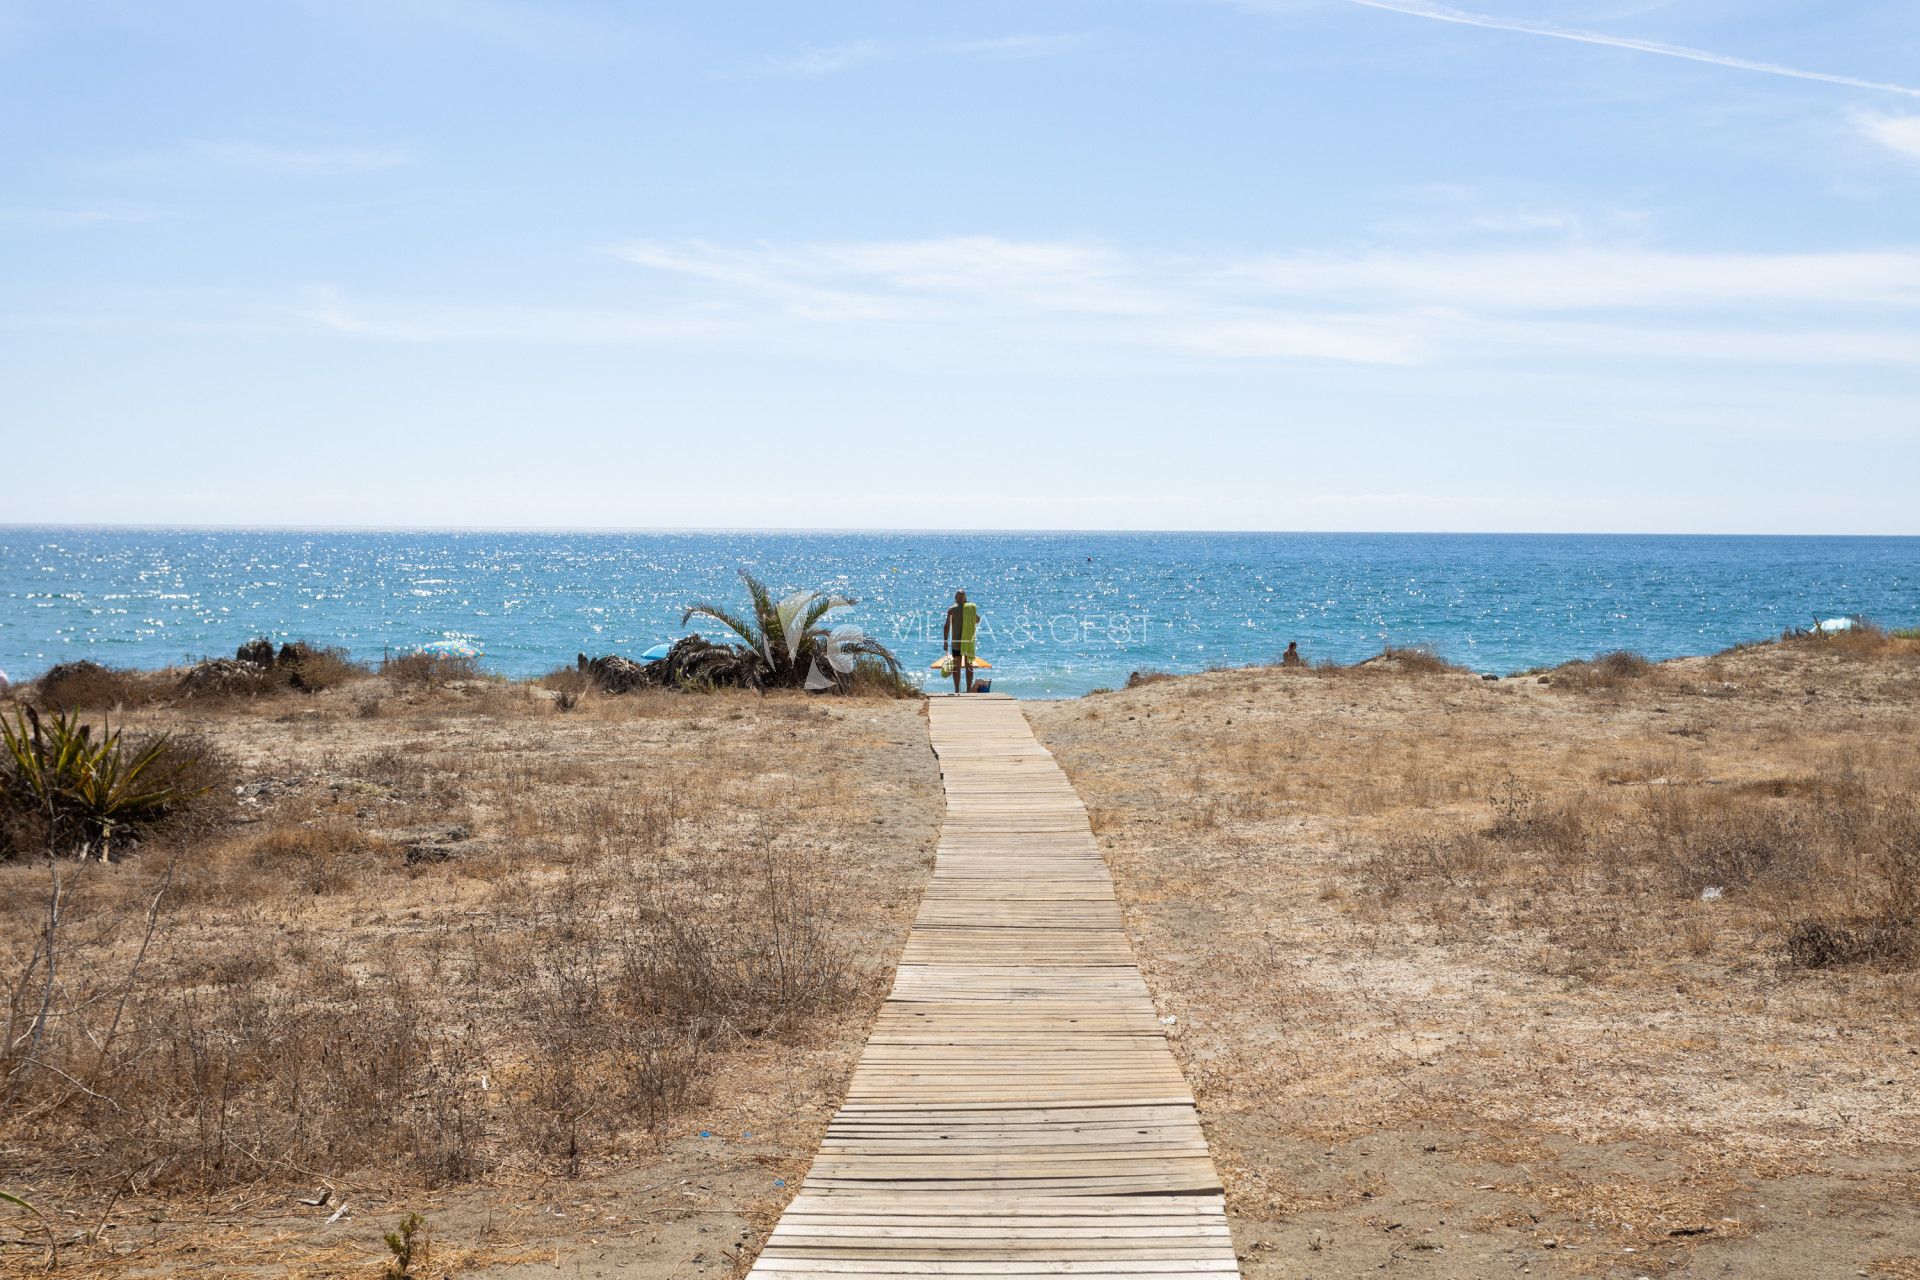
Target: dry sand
{"points": [[516, 798], [1529, 1070], [1418, 1047]]}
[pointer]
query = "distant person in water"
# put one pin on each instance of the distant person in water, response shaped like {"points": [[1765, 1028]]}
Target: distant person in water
{"points": [[1292, 658], [957, 636]]}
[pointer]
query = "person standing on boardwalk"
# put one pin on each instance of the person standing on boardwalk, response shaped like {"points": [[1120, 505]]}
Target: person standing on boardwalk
{"points": [[957, 636]]}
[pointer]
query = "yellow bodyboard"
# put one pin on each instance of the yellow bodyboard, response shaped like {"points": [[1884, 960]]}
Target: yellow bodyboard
{"points": [[944, 664]]}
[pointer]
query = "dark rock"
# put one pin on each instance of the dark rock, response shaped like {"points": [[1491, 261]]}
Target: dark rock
{"points": [[257, 652]]}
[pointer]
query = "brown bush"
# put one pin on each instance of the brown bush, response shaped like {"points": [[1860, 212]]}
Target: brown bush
{"points": [[257, 670], [1141, 679], [424, 669], [313, 670], [1863, 640], [1828, 943], [321, 859], [228, 678], [83, 685], [569, 682], [1415, 660], [871, 678], [1608, 671]]}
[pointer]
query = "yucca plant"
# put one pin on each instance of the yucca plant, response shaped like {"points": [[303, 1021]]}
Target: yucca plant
{"points": [[88, 790], [786, 638]]}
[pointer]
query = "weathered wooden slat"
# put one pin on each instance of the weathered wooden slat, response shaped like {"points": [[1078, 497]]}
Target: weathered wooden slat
{"points": [[1016, 1111]]}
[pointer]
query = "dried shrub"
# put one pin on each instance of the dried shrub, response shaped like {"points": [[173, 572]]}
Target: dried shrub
{"points": [[612, 673], [629, 980], [426, 669], [224, 1085], [1607, 672], [1417, 660], [228, 678], [1414, 660], [70, 787], [1863, 640], [185, 1049], [1400, 868], [1141, 679], [257, 669], [312, 669], [1833, 943], [72, 686], [1827, 869], [321, 859], [871, 678]]}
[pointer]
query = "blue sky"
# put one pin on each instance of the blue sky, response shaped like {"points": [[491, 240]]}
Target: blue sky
{"points": [[1273, 264]]}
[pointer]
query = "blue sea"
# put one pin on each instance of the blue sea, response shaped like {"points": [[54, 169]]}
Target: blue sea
{"points": [[1061, 613]]}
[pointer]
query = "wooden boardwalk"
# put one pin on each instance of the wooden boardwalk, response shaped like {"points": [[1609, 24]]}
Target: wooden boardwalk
{"points": [[1016, 1111]]}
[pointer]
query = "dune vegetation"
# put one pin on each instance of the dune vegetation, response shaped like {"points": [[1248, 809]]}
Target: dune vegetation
{"points": [[1606, 969], [414, 938]]}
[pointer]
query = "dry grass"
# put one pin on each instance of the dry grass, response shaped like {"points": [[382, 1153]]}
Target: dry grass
{"points": [[1608, 671], [1825, 870], [1862, 640], [460, 935], [871, 678], [1402, 660], [423, 669], [1609, 961]]}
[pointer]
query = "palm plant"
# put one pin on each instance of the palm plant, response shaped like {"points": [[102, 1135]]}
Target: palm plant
{"points": [[788, 641], [85, 788]]}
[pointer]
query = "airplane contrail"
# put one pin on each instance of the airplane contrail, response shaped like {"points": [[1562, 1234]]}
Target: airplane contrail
{"points": [[1460, 17]]}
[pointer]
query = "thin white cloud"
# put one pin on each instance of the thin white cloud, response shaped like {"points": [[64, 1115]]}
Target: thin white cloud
{"points": [[1460, 17], [1588, 279], [827, 60], [981, 301], [1897, 133], [1445, 211]]}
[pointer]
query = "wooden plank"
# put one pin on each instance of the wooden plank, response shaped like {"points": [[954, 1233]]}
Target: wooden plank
{"points": [[1016, 1111]]}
